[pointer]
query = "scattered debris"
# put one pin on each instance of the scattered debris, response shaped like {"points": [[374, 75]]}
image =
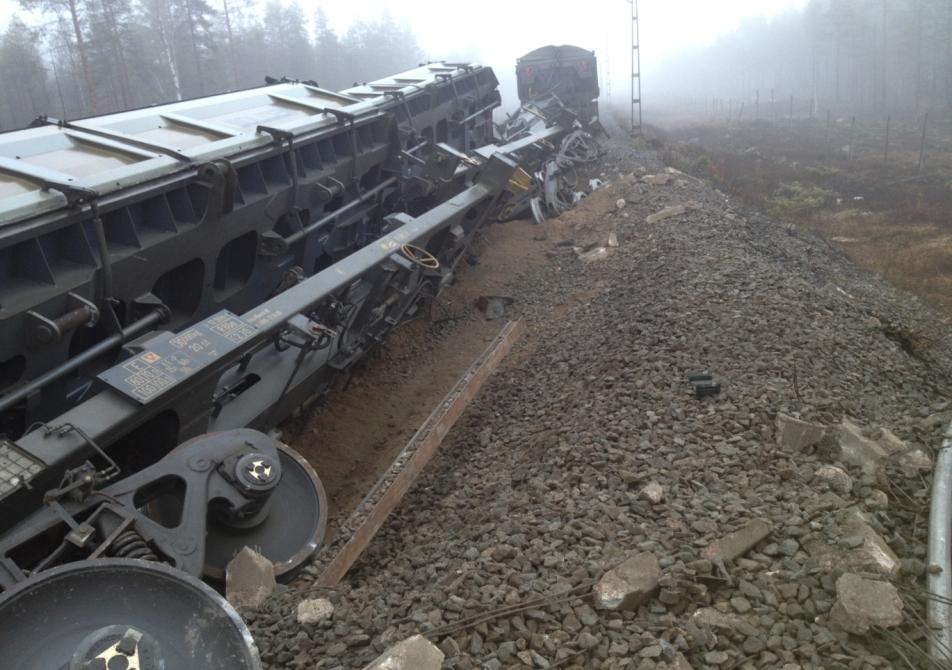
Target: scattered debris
{"points": [[704, 384], [856, 448], [620, 203], [864, 603], [595, 184], [249, 579], [494, 306], [612, 239], [738, 543], [629, 585], [414, 653], [866, 452], [595, 254], [912, 460], [796, 435], [853, 544], [874, 553]]}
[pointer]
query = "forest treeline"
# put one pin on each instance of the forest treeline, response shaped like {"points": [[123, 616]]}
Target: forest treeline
{"points": [[98, 56], [859, 56]]}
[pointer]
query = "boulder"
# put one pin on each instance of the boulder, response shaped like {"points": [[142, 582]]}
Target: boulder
{"points": [[414, 653], [863, 603], [795, 434], [314, 610], [666, 213], [836, 478], [874, 553], [736, 544], [858, 547], [714, 618], [856, 448], [630, 584], [249, 579], [912, 460]]}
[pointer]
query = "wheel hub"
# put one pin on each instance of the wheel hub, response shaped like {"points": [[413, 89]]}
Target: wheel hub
{"points": [[118, 648]]}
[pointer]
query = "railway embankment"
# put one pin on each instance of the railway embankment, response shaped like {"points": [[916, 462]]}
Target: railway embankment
{"points": [[712, 448]]}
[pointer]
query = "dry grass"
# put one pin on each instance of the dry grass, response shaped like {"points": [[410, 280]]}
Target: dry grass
{"points": [[915, 257], [889, 219]]}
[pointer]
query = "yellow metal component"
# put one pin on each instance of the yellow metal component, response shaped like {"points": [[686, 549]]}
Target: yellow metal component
{"points": [[520, 181], [536, 112]]}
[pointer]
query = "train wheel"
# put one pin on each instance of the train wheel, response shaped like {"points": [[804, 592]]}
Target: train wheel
{"points": [[121, 613], [289, 536]]}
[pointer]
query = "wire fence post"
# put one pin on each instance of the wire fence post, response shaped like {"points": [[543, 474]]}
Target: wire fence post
{"points": [[922, 142], [852, 138], [886, 146], [827, 132]]}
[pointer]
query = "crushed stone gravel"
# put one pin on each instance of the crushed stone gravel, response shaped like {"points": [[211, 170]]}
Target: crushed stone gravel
{"points": [[538, 491]]}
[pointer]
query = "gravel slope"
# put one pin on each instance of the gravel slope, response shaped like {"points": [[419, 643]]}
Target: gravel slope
{"points": [[539, 489]]}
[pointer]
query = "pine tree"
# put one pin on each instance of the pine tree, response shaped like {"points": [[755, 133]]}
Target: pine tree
{"points": [[25, 93], [74, 10], [327, 54], [288, 47]]}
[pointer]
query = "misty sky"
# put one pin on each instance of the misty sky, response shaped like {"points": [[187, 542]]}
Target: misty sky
{"points": [[495, 32]]}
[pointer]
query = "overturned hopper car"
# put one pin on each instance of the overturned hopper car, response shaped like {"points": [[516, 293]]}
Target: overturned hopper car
{"points": [[566, 71], [175, 280]]}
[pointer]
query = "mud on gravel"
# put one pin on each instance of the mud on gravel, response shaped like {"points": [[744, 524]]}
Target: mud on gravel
{"points": [[538, 491]]}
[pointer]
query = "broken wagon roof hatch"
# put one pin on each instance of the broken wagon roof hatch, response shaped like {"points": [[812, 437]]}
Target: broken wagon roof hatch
{"points": [[109, 153]]}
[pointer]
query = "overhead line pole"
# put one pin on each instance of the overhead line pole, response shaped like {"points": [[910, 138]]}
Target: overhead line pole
{"points": [[636, 128]]}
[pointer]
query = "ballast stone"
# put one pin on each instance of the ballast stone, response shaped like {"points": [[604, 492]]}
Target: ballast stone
{"points": [[864, 603], [679, 662], [414, 653], [314, 610], [666, 213], [629, 585], [657, 179], [249, 579], [653, 493]]}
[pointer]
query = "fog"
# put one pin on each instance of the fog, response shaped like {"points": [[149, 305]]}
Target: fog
{"points": [[496, 33], [124, 53]]}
